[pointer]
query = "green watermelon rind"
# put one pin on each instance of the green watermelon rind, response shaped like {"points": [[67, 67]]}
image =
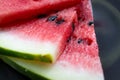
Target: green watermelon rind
{"points": [[22, 70], [44, 58]]}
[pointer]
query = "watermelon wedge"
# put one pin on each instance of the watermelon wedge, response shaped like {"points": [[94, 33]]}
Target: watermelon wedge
{"points": [[79, 61], [41, 39], [14, 10]]}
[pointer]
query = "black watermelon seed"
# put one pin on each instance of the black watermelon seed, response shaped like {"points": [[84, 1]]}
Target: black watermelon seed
{"points": [[90, 23], [81, 17], [79, 41], [60, 21], [52, 18], [73, 26], [41, 16], [68, 40]]}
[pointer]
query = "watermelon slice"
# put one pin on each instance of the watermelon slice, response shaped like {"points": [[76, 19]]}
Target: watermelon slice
{"points": [[14, 10], [40, 39], [79, 61]]}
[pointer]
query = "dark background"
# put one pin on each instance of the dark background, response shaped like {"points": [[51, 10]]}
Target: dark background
{"points": [[107, 26]]}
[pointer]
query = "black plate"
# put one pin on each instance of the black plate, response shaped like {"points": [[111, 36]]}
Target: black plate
{"points": [[107, 26]]}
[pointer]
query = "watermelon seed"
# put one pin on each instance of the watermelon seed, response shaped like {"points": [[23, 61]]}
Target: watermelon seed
{"points": [[60, 21], [79, 41], [41, 16], [73, 26], [52, 18], [69, 39], [81, 18], [90, 23]]}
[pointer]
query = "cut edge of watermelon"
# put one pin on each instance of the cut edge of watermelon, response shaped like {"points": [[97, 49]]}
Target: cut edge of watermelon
{"points": [[44, 58], [21, 69], [18, 64], [31, 53], [51, 48]]}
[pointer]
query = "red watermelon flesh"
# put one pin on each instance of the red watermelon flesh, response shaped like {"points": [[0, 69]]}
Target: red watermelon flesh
{"points": [[80, 59], [14, 10], [81, 53], [41, 39]]}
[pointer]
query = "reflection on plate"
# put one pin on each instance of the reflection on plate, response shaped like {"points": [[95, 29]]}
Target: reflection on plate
{"points": [[107, 26]]}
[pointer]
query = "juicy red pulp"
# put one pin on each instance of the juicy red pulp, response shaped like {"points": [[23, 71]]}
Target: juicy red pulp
{"points": [[18, 10], [82, 48], [52, 30]]}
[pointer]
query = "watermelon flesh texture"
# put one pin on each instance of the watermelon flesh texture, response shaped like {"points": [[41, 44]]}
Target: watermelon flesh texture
{"points": [[15, 10], [41, 39], [79, 61]]}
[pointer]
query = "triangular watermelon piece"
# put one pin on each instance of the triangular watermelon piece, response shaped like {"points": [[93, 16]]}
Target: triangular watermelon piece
{"points": [[79, 61], [41, 39], [14, 10]]}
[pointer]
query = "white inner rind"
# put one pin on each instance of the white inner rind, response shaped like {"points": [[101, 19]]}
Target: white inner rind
{"points": [[58, 71], [14, 43]]}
